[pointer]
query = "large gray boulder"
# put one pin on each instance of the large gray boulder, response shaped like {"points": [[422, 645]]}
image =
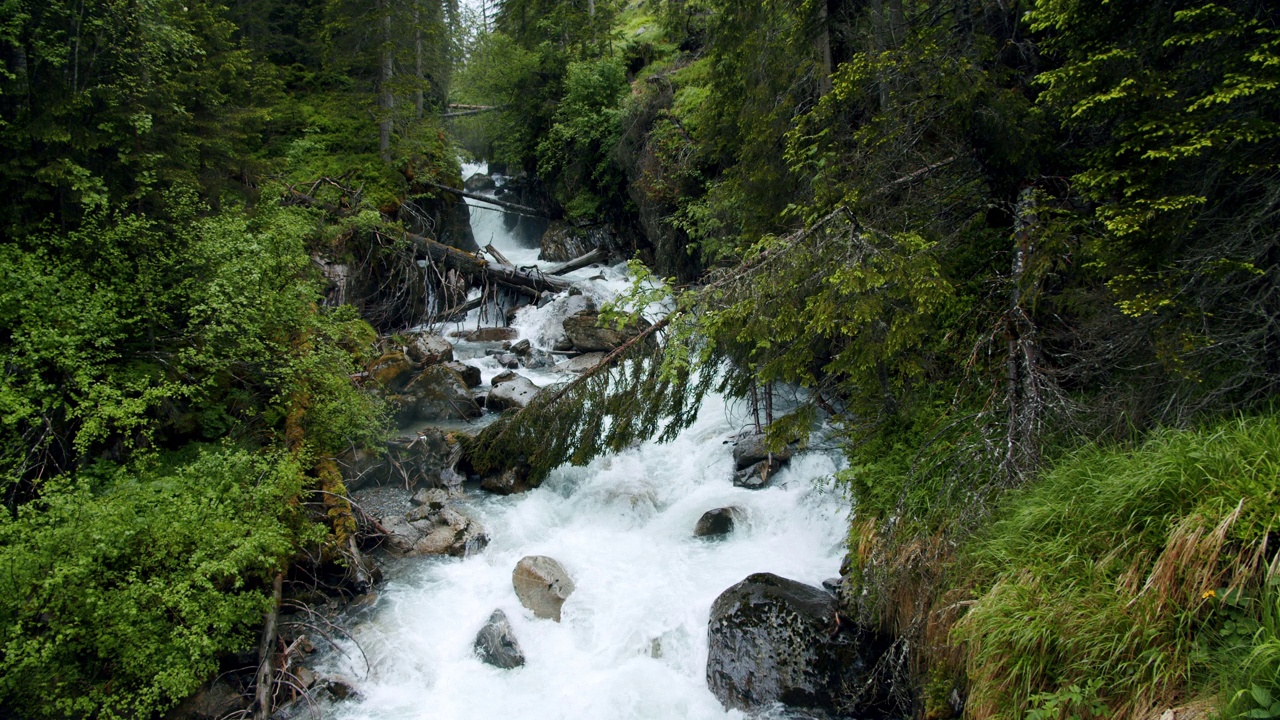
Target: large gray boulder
{"points": [[391, 371], [440, 393], [585, 333], [496, 643], [753, 448], [774, 640], [517, 393], [446, 531], [563, 242], [542, 584], [427, 349]]}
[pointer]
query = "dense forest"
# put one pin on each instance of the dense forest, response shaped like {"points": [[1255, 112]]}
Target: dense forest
{"points": [[1020, 258]]}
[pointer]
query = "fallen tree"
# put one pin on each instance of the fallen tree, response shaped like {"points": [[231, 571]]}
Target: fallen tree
{"points": [[529, 281]]}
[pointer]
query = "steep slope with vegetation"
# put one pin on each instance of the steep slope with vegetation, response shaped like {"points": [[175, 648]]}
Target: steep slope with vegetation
{"points": [[175, 385], [977, 237]]}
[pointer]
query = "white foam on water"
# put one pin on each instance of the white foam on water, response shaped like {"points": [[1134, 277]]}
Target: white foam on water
{"points": [[622, 527]]}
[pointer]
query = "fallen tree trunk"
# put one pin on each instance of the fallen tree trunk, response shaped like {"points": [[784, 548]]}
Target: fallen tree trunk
{"points": [[594, 256], [530, 282], [521, 209], [266, 673]]}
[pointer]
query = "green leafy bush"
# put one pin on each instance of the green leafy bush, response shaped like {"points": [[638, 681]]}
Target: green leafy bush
{"points": [[123, 586]]}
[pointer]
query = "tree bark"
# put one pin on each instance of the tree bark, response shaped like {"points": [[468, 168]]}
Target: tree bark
{"points": [[526, 281], [417, 61], [386, 101], [592, 257], [824, 48], [486, 199], [266, 673]]}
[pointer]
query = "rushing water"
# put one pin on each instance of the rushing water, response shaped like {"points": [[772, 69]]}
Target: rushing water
{"points": [[632, 642]]}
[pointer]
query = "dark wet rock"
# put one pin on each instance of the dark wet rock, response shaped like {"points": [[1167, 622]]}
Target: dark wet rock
{"points": [[562, 344], [508, 360], [753, 448], [517, 393], [758, 475], [577, 303], [774, 640], [542, 584], [340, 687], [508, 482], [496, 643], [538, 360], [478, 182], [522, 348], [418, 461], [456, 230], [214, 701], [586, 335], [305, 677], [441, 394], [470, 374], [391, 371], [426, 349], [504, 377], [563, 242], [491, 334], [718, 522]]}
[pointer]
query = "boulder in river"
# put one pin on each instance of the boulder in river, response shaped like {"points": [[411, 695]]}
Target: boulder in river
{"points": [[391, 371], [478, 182], [340, 687], [496, 644], [470, 374], [439, 393], [753, 448], [542, 584], [446, 531], [582, 363], [508, 482], [427, 349], [517, 394], [563, 242], [774, 640], [718, 522], [757, 476], [585, 333], [491, 334]]}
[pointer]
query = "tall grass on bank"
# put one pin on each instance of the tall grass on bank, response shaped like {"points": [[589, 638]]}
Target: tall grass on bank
{"points": [[1112, 586]]}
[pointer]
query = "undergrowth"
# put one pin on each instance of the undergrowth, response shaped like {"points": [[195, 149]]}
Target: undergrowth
{"points": [[1129, 580]]}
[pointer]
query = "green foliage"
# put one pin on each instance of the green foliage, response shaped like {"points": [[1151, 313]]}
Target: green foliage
{"points": [[1106, 573], [577, 149], [123, 586]]}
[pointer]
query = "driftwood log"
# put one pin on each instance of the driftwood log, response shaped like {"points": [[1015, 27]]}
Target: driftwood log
{"points": [[529, 281]]}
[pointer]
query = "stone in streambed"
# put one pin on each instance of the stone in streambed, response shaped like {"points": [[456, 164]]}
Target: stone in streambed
{"points": [[508, 482], [496, 644], [470, 374], [427, 349], [517, 393], [757, 476], [753, 448], [491, 334], [391, 371], [716, 523], [774, 640], [542, 584], [441, 394]]}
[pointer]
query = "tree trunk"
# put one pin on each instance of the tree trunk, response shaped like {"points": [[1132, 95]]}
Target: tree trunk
{"points": [[417, 61], [824, 48], [386, 101], [266, 673], [529, 282]]}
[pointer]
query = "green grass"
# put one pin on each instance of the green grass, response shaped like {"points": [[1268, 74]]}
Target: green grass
{"points": [[1126, 578]]}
